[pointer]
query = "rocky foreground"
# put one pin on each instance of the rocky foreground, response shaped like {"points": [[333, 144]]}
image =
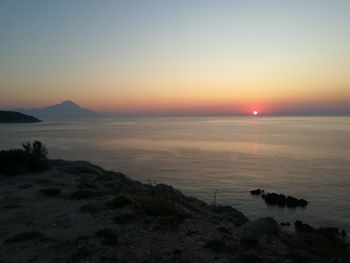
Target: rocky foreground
{"points": [[78, 212]]}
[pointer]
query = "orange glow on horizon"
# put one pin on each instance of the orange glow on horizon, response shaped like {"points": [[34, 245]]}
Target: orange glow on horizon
{"points": [[175, 101], [131, 62]]}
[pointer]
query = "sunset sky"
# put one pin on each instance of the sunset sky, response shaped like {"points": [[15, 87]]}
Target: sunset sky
{"points": [[274, 56]]}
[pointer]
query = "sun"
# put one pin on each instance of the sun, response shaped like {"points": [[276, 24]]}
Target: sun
{"points": [[255, 113]]}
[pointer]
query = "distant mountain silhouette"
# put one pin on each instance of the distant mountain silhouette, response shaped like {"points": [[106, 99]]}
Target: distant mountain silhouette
{"points": [[16, 117], [66, 109]]}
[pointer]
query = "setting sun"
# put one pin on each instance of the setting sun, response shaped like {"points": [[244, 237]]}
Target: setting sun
{"points": [[235, 107]]}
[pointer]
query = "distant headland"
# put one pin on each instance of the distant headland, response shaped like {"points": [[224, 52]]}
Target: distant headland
{"points": [[16, 117], [66, 109]]}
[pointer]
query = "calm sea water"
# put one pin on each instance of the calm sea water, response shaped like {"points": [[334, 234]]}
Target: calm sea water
{"points": [[307, 157]]}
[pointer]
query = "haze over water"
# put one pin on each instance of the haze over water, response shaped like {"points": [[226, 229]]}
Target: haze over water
{"points": [[306, 157]]}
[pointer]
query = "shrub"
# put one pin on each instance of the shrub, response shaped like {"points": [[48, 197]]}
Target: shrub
{"points": [[82, 252], [90, 208], [170, 221], [123, 218], [119, 202], [38, 156], [224, 230], [84, 194], [13, 162], [107, 237], [217, 246], [51, 192], [35, 148], [27, 236], [87, 186], [32, 158], [249, 242], [11, 206], [157, 206]]}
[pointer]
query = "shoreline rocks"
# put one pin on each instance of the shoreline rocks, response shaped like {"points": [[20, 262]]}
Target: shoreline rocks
{"points": [[79, 212], [301, 227], [306, 228], [257, 191], [280, 200], [283, 224]]}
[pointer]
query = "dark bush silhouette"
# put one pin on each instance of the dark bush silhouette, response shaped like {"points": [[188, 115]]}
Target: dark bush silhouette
{"points": [[119, 202], [217, 246], [123, 218], [84, 194], [161, 207], [27, 236], [51, 192], [38, 155], [32, 158], [107, 236]]}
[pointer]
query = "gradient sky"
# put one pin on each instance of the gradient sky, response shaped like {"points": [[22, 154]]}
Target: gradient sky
{"points": [[179, 56]]}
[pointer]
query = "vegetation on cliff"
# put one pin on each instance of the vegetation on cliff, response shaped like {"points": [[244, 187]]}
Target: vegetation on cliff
{"points": [[31, 158]]}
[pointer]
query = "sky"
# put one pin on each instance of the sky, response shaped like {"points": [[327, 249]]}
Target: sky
{"points": [[184, 56]]}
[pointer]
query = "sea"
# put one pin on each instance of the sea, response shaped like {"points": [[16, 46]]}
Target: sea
{"points": [[226, 157]]}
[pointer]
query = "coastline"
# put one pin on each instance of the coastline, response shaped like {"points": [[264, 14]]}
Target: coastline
{"points": [[79, 212], [315, 168]]}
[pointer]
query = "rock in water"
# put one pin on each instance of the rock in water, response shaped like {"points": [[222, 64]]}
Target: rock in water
{"points": [[302, 202], [292, 202], [272, 198], [282, 201], [256, 191]]}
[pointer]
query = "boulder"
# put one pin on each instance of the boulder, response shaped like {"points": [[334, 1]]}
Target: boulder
{"points": [[285, 224], [232, 214], [302, 202], [256, 191], [272, 198], [282, 201], [302, 228], [292, 201]]}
